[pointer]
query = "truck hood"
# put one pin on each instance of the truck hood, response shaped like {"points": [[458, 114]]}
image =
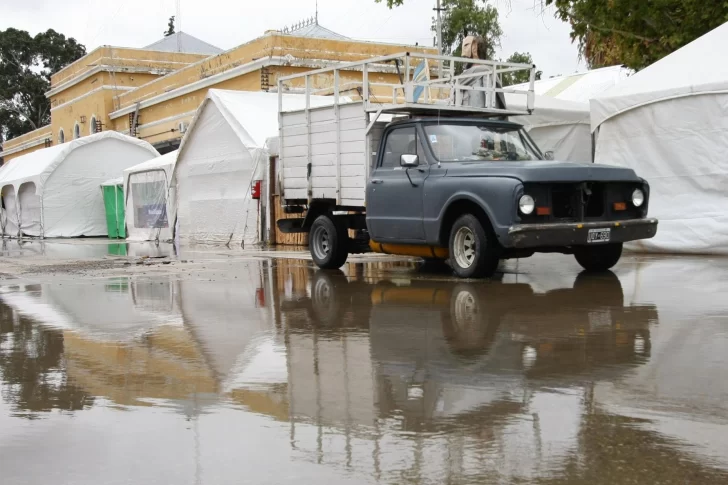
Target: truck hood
{"points": [[543, 171]]}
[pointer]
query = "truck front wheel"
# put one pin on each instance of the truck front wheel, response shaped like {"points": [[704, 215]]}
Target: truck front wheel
{"points": [[328, 242], [598, 258], [472, 253]]}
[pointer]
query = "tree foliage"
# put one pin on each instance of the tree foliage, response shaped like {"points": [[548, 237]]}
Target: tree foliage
{"points": [[518, 77], [629, 32], [637, 34], [170, 27], [26, 66]]}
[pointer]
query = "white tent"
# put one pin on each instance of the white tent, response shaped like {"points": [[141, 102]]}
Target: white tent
{"points": [[221, 155], [581, 86], [669, 122], [54, 192], [557, 125], [148, 208]]}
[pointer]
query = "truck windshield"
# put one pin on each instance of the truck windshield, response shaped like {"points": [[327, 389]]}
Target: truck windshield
{"points": [[466, 142]]}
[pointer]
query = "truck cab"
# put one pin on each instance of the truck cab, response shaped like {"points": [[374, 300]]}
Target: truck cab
{"points": [[464, 185]]}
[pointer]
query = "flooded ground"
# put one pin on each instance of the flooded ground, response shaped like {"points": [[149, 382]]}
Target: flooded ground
{"points": [[121, 364]]}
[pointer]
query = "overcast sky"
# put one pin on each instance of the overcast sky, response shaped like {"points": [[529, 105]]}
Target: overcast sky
{"points": [[228, 23]]}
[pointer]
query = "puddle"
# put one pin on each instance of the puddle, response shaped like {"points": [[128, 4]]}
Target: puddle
{"points": [[277, 372]]}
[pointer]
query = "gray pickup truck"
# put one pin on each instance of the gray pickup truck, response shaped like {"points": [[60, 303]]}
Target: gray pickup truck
{"points": [[473, 191], [441, 178]]}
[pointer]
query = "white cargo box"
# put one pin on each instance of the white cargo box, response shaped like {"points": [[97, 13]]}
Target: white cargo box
{"points": [[340, 153]]}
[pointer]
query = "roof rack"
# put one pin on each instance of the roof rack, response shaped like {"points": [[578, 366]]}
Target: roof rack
{"points": [[425, 85]]}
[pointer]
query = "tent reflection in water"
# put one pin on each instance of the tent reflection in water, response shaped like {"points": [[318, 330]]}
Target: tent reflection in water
{"points": [[222, 154], [669, 122], [149, 207], [54, 192]]}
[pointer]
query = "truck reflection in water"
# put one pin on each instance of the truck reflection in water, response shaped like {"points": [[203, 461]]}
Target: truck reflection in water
{"points": [[478, 373], [434, 346]]}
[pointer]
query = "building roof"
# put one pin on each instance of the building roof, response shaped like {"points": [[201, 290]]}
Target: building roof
{"points": [[311, 28], [187, 44]]}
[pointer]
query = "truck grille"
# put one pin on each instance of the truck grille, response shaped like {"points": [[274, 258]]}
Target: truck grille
{"points": [[583, 202]]}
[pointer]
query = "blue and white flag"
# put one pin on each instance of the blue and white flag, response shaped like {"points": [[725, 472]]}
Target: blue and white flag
{"points": [[421, 74]]}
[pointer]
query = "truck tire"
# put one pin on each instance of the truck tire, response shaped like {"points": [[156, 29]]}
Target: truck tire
{"points": [[328, 242], [472, 253], [598, 258]]}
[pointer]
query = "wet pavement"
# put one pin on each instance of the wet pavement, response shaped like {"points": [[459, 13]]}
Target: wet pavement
{"points": [[248, 369]]}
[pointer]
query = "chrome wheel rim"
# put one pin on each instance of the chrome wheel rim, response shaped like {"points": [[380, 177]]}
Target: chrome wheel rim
{"points": [[320, 242], [466, 309], [322, 292], [464, 247]]}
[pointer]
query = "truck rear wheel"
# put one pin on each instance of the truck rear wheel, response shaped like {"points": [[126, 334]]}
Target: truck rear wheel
{"points": [[472, 253], [598, 258], [328, 242]]}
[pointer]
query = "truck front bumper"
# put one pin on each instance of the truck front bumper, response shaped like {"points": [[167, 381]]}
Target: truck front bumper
{"points": [[577, 234]]}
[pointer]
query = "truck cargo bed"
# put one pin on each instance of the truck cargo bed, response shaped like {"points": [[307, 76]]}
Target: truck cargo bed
{"points": [[340, 153]]}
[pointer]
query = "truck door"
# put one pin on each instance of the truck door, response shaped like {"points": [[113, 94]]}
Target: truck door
{"points": [[394, 203]]}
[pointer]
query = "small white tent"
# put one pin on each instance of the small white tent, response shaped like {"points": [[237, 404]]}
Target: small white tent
{"points": [[148, 206], [669, 122], [220, 157], [54, 192], [557, 125], [580, 86]]}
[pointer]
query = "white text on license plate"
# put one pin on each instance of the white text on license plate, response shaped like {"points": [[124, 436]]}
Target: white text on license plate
{"points": [[598, 235]]}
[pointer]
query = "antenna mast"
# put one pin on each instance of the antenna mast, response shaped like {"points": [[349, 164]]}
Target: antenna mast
{"points": [[178, 18]]}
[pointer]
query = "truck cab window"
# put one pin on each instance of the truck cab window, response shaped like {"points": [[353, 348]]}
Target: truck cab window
{"points": [[399, 142]]}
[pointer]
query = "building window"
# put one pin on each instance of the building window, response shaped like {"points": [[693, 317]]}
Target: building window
{"points": [[76, 131], [61, 136], [92, 128]]}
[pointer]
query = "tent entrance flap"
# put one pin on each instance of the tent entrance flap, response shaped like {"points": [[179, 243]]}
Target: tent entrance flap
{"points": [[114, 205]]}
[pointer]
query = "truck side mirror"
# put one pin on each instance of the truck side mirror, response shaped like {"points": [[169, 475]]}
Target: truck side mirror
{"points": [[409, 161], [549, 155]]}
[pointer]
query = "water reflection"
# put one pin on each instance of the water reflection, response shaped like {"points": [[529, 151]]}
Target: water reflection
{"points": [[380, 373], [34, 377]]}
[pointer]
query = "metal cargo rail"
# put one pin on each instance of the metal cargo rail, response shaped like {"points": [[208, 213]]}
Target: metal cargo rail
{"points": [[416, 91]]}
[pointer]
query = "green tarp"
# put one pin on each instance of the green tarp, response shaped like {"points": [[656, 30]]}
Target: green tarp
{"points": [[114, 204]]}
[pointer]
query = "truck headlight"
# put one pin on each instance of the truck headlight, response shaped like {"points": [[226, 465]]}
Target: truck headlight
{"points": [[526, 204], [638, 197]]}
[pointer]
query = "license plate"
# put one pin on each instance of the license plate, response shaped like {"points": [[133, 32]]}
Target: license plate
{"points": [[598, 235]]}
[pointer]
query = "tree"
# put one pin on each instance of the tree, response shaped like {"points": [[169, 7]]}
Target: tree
{"points": [[637, 34], [170, 27], [468, 17], [26, 66], [629, 32], [511, 78]]}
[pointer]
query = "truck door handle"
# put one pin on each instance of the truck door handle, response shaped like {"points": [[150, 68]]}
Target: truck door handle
{"points": [[377, 181]]}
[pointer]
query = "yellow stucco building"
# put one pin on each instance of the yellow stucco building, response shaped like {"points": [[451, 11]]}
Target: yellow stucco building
{"points": [[153, 92]]}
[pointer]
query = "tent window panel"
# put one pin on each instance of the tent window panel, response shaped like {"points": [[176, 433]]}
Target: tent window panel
{"points": [[149, 199]]}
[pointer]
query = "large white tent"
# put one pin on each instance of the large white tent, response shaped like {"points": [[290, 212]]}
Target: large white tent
{"points": [[669, 122], [54, 192], [148, 207], [558, 126], [221, 156]]}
